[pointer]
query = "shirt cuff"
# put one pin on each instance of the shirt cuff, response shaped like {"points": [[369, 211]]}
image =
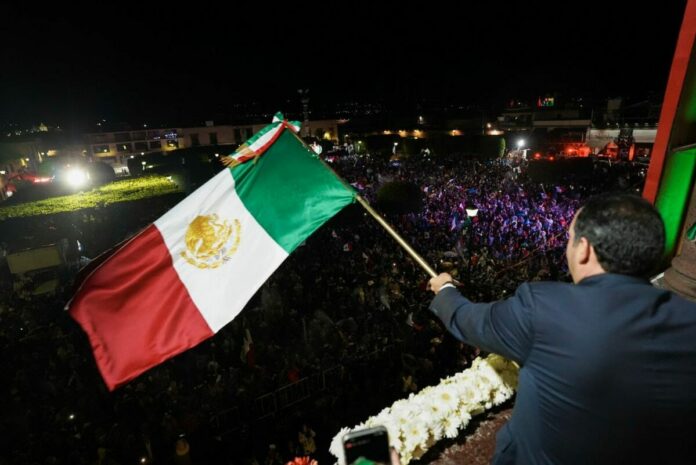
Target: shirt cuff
{"points": [[447, 285]]}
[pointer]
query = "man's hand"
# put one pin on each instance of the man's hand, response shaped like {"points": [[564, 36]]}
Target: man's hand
{"points": [[395, 459], [436, 283]]}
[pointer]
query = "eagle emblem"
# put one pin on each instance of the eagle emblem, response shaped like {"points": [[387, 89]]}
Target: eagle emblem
{"points": [[211, 241]]}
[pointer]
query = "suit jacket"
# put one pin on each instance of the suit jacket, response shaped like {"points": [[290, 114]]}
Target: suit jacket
{"points": [[608, 369]]}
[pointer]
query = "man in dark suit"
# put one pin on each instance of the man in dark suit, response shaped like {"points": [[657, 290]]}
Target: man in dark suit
{"points": [[608, 363]]}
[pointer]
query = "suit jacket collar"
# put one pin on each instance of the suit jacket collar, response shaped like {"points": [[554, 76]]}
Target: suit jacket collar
{"points": [[611, 279]]}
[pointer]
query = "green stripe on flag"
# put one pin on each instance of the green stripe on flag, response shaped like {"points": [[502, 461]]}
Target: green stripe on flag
{"points": [[673, 197], [289, 191]]}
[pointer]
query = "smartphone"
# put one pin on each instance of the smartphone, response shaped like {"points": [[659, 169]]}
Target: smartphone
{"points": [[371, 444]]}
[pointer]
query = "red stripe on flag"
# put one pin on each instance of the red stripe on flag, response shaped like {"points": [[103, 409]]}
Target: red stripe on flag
{"points": [[135, 310]]}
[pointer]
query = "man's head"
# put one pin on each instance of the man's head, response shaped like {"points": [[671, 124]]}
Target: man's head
{"points": [[615, 233]]}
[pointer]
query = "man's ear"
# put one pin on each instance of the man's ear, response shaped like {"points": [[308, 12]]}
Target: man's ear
{"points": [[584, 251]]}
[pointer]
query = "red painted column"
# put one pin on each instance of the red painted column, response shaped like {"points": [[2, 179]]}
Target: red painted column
{"points": [[675, 83]]}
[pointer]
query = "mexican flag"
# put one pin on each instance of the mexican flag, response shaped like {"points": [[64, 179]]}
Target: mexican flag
{"points": [[190, 273]]}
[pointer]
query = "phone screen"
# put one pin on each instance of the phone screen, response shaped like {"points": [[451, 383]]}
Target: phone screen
{"points": [[371, 444]]}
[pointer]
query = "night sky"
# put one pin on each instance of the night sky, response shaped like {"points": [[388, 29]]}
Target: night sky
{"points": [[196, 61]]}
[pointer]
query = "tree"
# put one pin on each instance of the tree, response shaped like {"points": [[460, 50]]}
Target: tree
{"points": [[399, 197]]}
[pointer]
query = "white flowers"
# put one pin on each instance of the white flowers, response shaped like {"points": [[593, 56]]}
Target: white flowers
{"points": [[441, 411]]}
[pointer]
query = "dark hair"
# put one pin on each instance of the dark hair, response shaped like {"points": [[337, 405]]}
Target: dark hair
{"points": [[626, 231]]}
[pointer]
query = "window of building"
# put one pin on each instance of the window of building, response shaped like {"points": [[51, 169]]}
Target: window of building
{"points": [[237, 136], [124, 147], [122, 137], [194, 140], [140, 135], [99, 138], [173, 144], [249, 132], [140, 146], [100, 149], [155, 145], [213, 138]]}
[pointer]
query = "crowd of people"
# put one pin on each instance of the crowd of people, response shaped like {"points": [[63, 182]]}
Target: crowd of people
{"points": [[349, 301]]}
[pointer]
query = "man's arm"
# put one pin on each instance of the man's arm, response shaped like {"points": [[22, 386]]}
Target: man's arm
{"points": [[503, 327]]}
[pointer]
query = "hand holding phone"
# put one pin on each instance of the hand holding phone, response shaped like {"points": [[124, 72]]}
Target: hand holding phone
{"points": [[370, 444]]}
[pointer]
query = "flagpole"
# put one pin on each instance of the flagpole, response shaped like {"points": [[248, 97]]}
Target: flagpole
{"points": [[428, 269], [400, 240]]}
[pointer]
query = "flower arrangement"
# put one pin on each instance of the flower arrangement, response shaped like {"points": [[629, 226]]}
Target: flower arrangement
{"points": [[302, 461], [417, 423]]}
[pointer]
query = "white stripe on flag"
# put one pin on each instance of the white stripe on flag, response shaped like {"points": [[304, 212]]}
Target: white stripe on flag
{"points": [[220, 293]]}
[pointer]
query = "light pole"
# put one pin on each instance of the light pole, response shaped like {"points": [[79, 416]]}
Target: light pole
{"points": [[304, 98], [520, 144]]}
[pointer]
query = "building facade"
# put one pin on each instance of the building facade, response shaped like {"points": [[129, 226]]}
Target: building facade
{"points": [[115, 148]]}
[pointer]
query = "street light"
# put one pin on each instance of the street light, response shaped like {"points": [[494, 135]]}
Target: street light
{"points": [[520, 144], [76, 177]]}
